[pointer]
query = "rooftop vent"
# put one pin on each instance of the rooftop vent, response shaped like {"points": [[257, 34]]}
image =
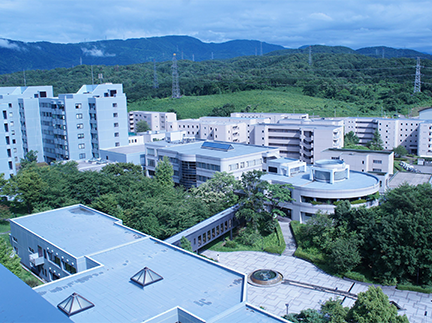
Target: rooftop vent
{"points": [[217, 146], [146, 277], [74, 304]]}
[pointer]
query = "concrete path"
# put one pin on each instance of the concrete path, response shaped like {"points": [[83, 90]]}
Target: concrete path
{"points": [[275, 298]]}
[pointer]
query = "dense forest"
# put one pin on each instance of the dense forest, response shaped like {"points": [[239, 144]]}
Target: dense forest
{"points": [[390, 244], [371, 85]]}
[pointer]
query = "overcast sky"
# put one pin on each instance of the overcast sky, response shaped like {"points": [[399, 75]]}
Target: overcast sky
{"points": [[290, 23]]}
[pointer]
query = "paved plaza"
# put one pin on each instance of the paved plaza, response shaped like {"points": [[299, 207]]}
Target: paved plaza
{"points": [[275, 298]]}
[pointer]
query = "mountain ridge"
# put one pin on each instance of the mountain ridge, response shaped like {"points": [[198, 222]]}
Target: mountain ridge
{"points": [[18, 56]]}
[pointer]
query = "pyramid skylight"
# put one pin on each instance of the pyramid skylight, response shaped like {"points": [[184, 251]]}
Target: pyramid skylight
{"points": [[75, 304], [146, 277]]}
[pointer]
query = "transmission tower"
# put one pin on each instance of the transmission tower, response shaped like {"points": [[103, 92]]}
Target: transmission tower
{"points": [[417, 87], [310, 55], [155, 78], [261, 52], [175, 81]]}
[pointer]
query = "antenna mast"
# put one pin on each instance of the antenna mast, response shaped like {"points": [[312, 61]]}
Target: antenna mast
{"points": [[175, 81], [155, 78], [417, 85]]}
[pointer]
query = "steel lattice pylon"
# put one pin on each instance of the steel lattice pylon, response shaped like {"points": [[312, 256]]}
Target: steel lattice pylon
{"points": [[417, 83], [175, 81]]}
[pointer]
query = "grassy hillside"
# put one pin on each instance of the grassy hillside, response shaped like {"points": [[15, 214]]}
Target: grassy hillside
{"points": [[354, 84], [288, 100]]}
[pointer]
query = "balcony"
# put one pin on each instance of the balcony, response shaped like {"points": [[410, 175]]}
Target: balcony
{"points": [[35, 259]]}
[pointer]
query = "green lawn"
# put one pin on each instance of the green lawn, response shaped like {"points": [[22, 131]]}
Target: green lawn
{"points": [[273, 243], [4, 226]]}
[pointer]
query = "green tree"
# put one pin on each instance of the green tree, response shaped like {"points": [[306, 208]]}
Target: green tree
{"points": [[351, 139], [373, 306], [218, 192], [400, 151], [164, 172], [26, 187], [185, 244], [9, 259], [344, 254], [376, 143], [252, 198], [142, 126], [5, 212], [30, 157]]}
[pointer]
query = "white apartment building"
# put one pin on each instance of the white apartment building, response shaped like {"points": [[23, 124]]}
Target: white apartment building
{"points": [[274, 117], [68, 127], [302, 139], [393, 132], [21, 124], [230, 129], [156, 120]]}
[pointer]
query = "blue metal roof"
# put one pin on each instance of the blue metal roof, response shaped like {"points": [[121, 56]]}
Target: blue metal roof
{"points": [[197, 285], [79, 230], [19, 303]]}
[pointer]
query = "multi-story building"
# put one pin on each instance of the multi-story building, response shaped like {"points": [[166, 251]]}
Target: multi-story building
{"points": [[155, 120], [21, 128], [321, 186], [68, 127], [102, 271], [302, 139], [196, 162], [394, 132], [230, 129]]}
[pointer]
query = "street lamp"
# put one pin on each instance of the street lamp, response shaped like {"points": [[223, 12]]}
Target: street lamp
{"points": [[287, 306]]}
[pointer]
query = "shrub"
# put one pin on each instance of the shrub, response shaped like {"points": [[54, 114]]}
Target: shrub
{"points": [[420, 289], [356, 276], [248, 236], [230, 244], [358, 201], [275, 249]]}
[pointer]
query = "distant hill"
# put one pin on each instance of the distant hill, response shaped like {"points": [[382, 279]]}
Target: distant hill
{"points": [[17, 56], [388, 52]]}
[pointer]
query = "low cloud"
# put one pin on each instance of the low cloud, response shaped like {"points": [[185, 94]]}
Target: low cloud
{"points": [[96, 52], [9, 45]]}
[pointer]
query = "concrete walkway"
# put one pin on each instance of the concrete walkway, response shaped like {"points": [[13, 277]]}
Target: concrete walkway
{"points": [[275, 298]]}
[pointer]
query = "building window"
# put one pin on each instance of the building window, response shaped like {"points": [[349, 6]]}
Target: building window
{"points": [[114, 105], [115, 115], [79, 115], [377, 161], [116, 124], [80, 126], [78, 106], [116, 134], [117, 144], [10, 165], [82, 156], [80, 136], [81, 146], [151, 162], [4, 114]]}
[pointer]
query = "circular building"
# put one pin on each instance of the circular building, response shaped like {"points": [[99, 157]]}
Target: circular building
{"points": [[321, 186]]}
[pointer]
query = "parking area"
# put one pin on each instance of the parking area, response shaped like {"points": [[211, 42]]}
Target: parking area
{"points": [[410, 178]]}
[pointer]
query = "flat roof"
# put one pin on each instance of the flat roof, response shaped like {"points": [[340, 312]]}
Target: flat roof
{"points": [[130, 149], [20, 303], [191, 282], [239, 149], [357, 180], [79, 230], [361, 151]]}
